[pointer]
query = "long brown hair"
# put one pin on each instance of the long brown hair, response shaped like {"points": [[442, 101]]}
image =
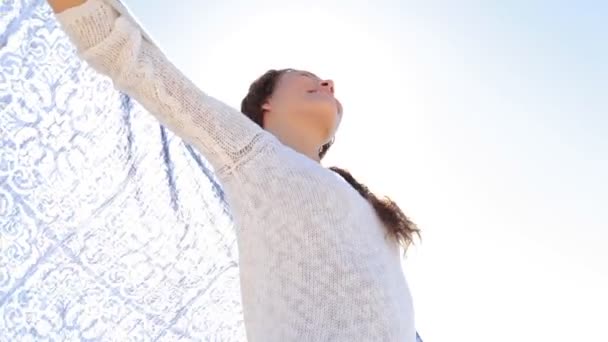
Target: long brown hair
{"points": [[398, 224]]}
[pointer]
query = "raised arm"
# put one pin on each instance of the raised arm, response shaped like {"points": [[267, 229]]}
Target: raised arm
{"points": [[110, 40]]}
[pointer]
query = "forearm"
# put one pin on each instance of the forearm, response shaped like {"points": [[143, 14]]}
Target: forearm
{"points": [[114, 45]]}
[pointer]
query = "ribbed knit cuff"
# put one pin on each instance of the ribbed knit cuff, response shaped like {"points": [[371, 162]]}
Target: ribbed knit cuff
{"points": [[88, 24]]}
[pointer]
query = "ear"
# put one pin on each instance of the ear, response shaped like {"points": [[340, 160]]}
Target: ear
{"points": [[266, 106]]}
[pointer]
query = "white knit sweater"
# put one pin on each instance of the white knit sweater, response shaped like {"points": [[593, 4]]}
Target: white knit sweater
{"points": [[315, 260]]}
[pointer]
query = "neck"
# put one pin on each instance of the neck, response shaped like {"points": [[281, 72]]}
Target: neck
{"points": [[301, 143]]}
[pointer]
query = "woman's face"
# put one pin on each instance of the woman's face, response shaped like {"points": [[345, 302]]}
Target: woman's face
{"points": [[306, 103]]}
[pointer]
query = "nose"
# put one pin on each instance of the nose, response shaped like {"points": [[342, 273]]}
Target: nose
{"points": [[328, 86]]}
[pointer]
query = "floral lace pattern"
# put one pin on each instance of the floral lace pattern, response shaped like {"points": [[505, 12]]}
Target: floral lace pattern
{"points": [[111, 228]]}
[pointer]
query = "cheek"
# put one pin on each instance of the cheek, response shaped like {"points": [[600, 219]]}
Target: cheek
{"points": [[290, 103], [323, 104], [309, 108]]}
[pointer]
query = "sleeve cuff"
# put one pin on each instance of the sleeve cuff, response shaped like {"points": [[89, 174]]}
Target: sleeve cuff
{"points": [[88, 24]]}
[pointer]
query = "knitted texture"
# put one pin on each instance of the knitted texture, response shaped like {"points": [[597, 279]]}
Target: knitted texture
{"points": [[315, 260]]}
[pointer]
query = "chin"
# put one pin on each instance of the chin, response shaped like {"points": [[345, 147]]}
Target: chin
{"points": [[327, 115], [333, 117], [331, 124]]}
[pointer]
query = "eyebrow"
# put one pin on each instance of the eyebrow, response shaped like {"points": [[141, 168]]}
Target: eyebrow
{"points": [[309, 74]]}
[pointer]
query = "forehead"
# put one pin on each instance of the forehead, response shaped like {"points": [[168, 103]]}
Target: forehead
{"points": [[298, 75]]}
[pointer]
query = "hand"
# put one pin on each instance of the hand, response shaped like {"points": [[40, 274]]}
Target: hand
{"points": [[62, 5]]}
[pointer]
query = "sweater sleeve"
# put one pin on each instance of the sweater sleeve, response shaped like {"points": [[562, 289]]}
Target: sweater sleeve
{"points": [[111, 41]]}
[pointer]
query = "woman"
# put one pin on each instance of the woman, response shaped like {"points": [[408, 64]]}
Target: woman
{"points": [[319, 257]]}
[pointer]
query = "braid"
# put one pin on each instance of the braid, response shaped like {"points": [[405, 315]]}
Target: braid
{"points": [[399, 225]]}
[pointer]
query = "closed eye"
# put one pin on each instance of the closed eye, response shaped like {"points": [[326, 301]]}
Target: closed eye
{"points": [[312, 91]]}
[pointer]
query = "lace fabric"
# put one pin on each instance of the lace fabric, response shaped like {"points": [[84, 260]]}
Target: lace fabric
{"points": [[111, 228]]}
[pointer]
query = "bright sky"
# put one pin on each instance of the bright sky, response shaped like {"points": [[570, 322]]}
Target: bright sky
{"points": [[488, 123]]}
